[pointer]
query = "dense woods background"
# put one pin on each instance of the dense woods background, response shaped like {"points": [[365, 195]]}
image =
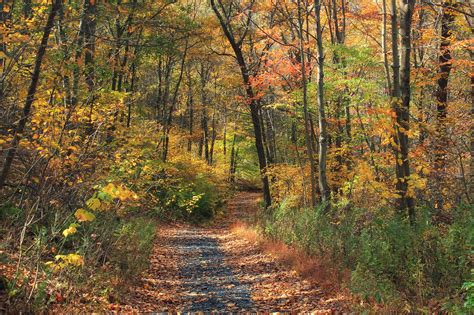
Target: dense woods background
{"points": [[355, 118]]}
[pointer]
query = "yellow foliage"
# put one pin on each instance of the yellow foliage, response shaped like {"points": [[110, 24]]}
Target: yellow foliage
{"points": [[93, 204], [119, 191], [84, 215], [72, 229], [63, 261]]}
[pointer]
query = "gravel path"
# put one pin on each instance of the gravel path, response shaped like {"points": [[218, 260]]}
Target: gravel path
{"points": [[195, 269], [208, 281]]}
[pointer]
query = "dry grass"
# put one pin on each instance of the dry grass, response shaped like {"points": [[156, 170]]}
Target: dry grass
{"points": [[314, 269]]}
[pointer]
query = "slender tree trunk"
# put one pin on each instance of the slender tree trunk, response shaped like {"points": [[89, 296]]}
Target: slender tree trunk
{"points": [[167, 126], [213, 138], [89, 44], [190, 109], [200, 145], [78, 55], [264, 137], [159, 96], [272, 136], [4, 17], [205, 75], [294, 139], [61, 41], [27, 9], [323, 134], [470, 193], [403, 117], [123, 64], [205, 134], [471, 186], [116, 50], [396, 99], [444, 68], [307, 127], [132, 90], [384, 46], [10, 155], [233, 158], [89, 24], [224, 140]]}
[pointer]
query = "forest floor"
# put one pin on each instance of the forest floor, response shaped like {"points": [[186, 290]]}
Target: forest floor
{"points": [[204, 269]]}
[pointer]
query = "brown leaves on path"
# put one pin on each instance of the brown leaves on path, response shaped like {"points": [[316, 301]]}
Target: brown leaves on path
{"points": [[197, 269]]}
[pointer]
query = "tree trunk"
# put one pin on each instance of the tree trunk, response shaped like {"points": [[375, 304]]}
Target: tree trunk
{"points": [[190, 109], [307, 127], [167, 125], [10, 155], [213, 138], [204, 117], [444, 68], [233, 158], [384, 46], [132, 90], [406, 202], [224, 141], [27, 9], [123, 64], [323, 135], [4, 21], [470, 193], [471, 184]]}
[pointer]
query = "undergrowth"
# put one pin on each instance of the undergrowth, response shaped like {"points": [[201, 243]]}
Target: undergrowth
{"points": [[82, 244], [392, 263]]}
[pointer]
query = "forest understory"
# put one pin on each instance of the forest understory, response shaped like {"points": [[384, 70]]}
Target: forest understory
{"points": [[236, 156]]}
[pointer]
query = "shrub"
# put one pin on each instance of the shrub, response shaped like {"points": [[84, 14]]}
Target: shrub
{"points": [[390, 260], [133, 242]]}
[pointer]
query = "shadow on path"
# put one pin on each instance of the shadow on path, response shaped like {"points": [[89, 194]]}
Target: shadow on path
{"points": [[208, 282]]}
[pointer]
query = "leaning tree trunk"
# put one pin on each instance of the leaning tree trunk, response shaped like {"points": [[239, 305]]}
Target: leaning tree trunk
{"points": [[31, 93]]}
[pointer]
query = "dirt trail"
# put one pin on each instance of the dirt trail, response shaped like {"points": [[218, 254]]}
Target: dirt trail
{"points": [[196, 269]]}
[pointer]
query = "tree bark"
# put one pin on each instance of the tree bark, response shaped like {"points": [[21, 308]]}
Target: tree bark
{"points": [[406, 202], [323, 135]]}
